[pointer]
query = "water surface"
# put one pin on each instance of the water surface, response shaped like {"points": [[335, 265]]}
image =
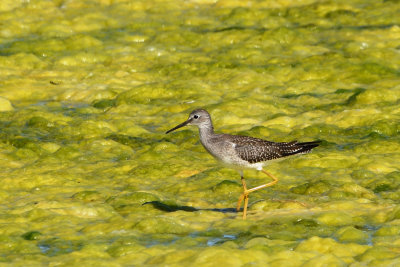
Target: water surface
{"points": [[88, 89]]}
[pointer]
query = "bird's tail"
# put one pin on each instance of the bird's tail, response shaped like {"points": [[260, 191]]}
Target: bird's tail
{"points": [[305, 147]]}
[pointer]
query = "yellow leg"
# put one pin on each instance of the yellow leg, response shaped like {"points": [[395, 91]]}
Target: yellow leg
{"points": [[275, 180], [246, 201], [246, 192], [242, 196]]}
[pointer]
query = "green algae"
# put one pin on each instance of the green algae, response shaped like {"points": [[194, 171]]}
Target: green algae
{"points": [[88, 196], [88, 89], [352, 234], [227, 187]]}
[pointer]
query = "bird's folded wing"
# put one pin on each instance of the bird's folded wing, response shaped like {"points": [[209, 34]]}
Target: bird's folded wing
{"points": [[264, 152]]}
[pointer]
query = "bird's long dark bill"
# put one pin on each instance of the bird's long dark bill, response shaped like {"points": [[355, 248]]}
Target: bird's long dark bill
{"points": [[179, 126]]}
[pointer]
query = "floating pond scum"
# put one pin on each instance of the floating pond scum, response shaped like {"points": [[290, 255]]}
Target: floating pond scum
{"points": [[88, 89]]}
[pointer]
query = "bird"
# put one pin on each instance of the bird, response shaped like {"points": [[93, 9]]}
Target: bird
{"points": [[242, 152]]}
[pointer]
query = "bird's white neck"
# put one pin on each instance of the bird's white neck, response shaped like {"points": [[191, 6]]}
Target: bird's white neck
{"points": [[206, 131]]}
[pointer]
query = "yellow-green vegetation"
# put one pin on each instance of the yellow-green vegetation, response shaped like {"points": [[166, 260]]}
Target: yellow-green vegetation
{"points": [[88, 88]]}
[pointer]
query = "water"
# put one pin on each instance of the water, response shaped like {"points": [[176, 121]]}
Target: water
{"points": [[89, 88]]}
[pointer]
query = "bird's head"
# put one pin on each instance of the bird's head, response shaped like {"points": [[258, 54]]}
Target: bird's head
{"points": [[199, 117]]}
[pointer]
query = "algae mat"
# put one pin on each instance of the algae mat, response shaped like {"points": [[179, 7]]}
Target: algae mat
{"points": [[88, 88]]}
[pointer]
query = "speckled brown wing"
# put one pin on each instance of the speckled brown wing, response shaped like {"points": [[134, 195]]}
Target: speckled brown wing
{"points": [[255, 150]]}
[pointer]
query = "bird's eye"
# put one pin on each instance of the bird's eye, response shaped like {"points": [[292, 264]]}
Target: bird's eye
{"points": [[196, 116]]}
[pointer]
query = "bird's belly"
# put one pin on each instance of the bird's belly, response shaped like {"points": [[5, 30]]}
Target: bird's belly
{"points": [[228, 157]]}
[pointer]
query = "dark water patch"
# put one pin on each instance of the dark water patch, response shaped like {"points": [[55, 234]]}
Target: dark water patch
{"points": [[220, 240], [32, 235], [55, 246]]}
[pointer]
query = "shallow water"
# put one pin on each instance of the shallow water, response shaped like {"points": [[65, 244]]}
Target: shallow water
{"points": [[88, 89]]}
